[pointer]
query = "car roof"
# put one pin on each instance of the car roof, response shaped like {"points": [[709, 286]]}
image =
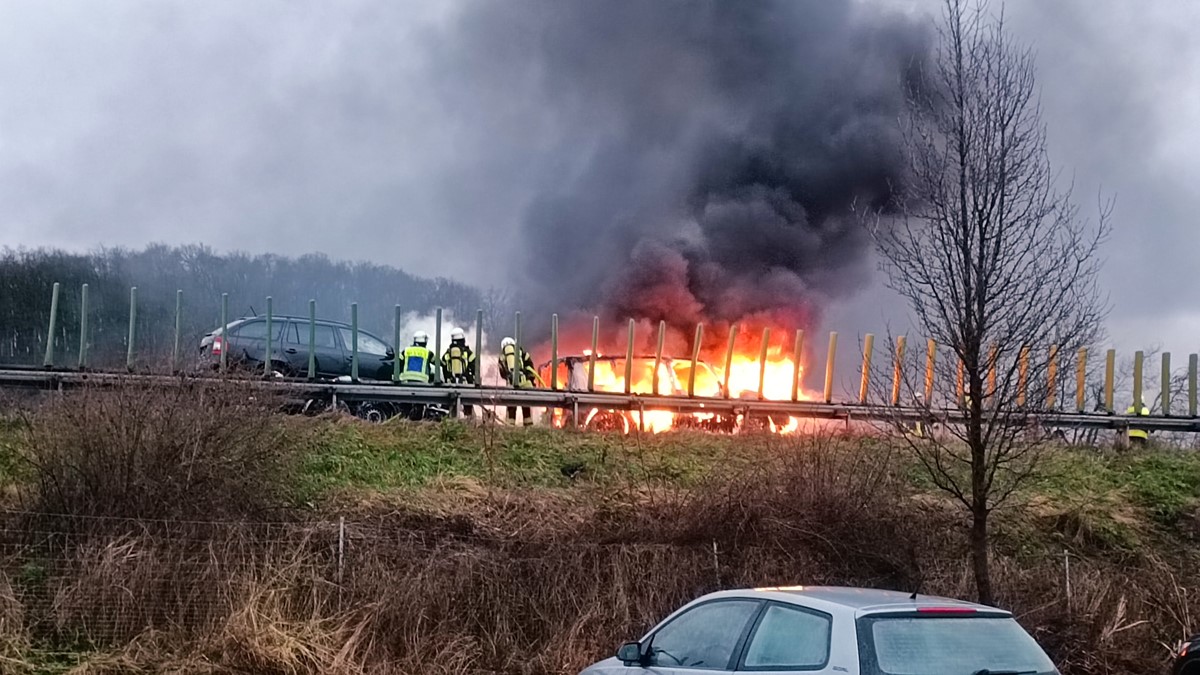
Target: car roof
{"points": [[859, 600]]}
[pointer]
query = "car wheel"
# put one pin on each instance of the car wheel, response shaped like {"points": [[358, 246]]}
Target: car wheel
{"points": [[609, 420], [373, 412]]}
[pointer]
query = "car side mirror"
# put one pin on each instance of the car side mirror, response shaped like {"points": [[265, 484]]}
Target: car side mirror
{"points": [[391, 353], [630, 653]]}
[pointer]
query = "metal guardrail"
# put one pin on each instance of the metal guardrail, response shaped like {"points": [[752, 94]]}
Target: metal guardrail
{"points": [[451, 396]]}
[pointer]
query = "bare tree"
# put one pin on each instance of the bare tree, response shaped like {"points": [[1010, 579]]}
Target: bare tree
{"points": [[994, 259]]}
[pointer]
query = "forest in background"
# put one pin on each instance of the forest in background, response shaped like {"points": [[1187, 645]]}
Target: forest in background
{"points": [[27, 278]]}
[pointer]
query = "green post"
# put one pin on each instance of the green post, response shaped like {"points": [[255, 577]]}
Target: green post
{"points": [[797, 355], [478, 347], [1166, 384], [83, 326], [629, 358], [554, 352], [662, 332], [733, 331], [312, 339], [49, 360], [396, 343], [592, 354], [517, 364], [224, 332], [354, 341], [762, 362], [268, 361], [178, 329], [1138, 359], [695, 359], [132, 323], [438, 375], [1193, 361]]}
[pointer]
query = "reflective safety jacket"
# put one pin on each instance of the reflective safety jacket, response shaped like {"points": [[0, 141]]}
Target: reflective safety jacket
{"points": [[526, 372], [1138, 433], [458, 363], [417, 365]]}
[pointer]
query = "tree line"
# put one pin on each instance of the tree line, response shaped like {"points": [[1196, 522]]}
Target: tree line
{"points": [[158, 271]]}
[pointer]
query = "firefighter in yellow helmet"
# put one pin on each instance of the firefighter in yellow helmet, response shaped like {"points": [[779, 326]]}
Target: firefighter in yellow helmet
{"points": [[417, 360], [517, 369], [1138, 437], [458, 364]]}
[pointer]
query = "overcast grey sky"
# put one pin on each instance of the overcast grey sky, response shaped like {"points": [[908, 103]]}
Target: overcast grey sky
{"points": [[356, 128]]}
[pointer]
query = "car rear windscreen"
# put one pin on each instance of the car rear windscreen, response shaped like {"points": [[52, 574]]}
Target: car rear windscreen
{"points": [[948, 645]]}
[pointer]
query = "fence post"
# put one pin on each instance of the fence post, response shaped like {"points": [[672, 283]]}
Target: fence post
{"points": [[312, 339], [762, 362], [592, 355], [695, 359], [829, 359], [554, 352], [733, 331], [478, 348], [868, 349], [83, 326], [797, 356], [269, 358], [930, 358], [49, 360], [1110, 366], [1166, 384], [178, 329], [354, 341], [1139, 358], [1081, 380], [132, 332], [1052, 379], [438, 375], [518, 364], [960, 384], [898, 370], [1023, 376], [993, 359], [224, 332], [629, 359], [1193, 360], [662, 332]]}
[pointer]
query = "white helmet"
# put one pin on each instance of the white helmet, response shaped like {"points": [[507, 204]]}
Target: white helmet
{"points": [[420, 338], [507, 342], [457, 334]]}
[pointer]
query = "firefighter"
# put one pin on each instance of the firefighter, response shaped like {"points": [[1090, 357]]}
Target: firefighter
{"points": [[458, 364], [517, 368], [417, 360], [1138, 437]]}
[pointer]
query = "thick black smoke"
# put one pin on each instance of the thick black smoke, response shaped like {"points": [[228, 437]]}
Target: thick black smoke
{"points": [[709, 152]]}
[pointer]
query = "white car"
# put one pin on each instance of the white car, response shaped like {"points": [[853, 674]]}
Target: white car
{"points": [[852, 631]]}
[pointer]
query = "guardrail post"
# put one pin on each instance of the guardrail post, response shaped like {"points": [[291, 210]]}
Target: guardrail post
{"points": [[1081, 380], [1110, 367], [898, 369], [733, 331], [1139, 358], [797, 356], [930, 358], [83, 326], [438, 375], [592, 354], [554, 352], [1193, 362], [864, 386], [312, 339], [518, 364], [762, 361], [478, 348], [178, 329], [268, 360], [829, 359], [629, 358], [354, 341], [662, 333], [695, 359], [224, 332], [129, 352], [1023, 376], [1166, 384], [48, 361], [1052, 379]]}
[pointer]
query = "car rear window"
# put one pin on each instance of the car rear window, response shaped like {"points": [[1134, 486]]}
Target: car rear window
{"points": [[948, 645]]}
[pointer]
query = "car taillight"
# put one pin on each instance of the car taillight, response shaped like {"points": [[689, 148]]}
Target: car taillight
{"points": [[945, 610], [217, 344]]}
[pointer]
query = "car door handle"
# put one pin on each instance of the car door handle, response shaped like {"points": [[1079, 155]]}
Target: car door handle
{"points": [[290, 350]]}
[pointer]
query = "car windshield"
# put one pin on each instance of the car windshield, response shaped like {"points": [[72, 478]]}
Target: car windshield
{"points": [[909, 645]]}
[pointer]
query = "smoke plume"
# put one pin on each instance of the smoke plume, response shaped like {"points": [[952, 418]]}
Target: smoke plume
{"points": [[708, 153]]}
